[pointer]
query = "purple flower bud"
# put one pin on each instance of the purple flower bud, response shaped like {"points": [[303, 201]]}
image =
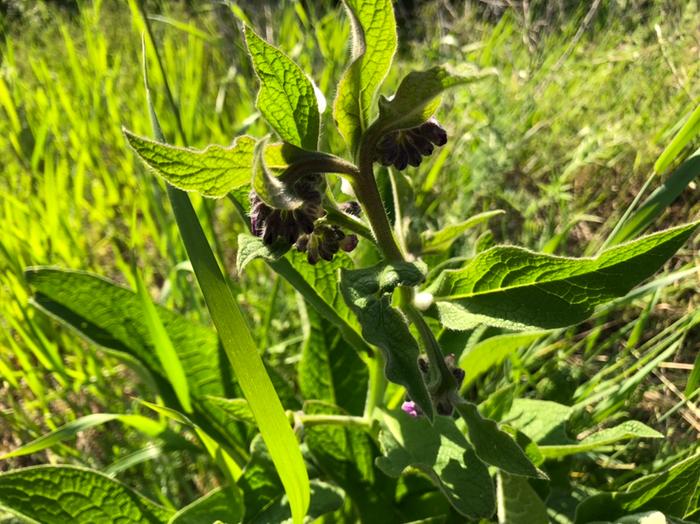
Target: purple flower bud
{"points": [[349, 243], [409, 146], [411, 408]]}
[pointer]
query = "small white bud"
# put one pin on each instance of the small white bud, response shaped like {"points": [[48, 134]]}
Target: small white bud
{"points": [[423, 300]]}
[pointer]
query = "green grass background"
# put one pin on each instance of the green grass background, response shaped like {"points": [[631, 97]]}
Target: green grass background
{"points": [[562, 140]]}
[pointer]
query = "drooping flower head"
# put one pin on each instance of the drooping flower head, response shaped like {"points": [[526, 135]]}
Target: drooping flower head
{"points": [[408, 146]]}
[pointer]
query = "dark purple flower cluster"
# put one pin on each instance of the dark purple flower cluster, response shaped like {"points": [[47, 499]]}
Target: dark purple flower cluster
{"points": [[408, 146], [301, 227], [442, 404]]}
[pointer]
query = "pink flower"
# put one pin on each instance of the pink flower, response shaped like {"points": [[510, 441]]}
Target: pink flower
{"points": [[411, 408]]}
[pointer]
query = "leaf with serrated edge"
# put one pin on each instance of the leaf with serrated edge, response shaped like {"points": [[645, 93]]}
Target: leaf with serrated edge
{"points": [[60, 494], [418, 97], [287, 98], [374, 43], [441, 452], [213, 171], [518, 289], [366, 292]]}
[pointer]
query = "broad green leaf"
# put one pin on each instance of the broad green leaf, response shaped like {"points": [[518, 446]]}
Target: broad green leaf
{"points": [[61, 494], [687, 133], [221, 504], [494, 446], [543, 421], [167, 356], [435, 242], [214, 171], [625, 431], [659, 200], [240, 349], [69, 430], [518, 503], [441, 452], [346, 455], [670, 492], [373, 46], [329, 369], [286, 98], [112, 316], [515, 288], [367, 292], [489, 353], [417, 98]]}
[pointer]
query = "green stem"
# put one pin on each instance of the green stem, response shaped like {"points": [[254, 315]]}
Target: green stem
{"points": [[330, 420], [350, 223]]}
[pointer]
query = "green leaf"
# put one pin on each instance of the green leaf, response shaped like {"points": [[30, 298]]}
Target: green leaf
{"points": [[494, 446], [625, 431], [489, 353], [213, 172], [518, 503], [346, 456], [442, 453], [670, 492], [543, 421], [241, 350], [251, 248], [515, 288], [60, 494], [659, 200], [435, 242], [112, 316], [417, 98], [687, 133], [373, 46], [228, 457], [168, 357], [286, 98], [69, 430], [221, 504], [329, 369], [367, 292]]}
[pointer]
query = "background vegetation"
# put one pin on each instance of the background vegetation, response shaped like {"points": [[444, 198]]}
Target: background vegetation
{"points": [[587, 96]]}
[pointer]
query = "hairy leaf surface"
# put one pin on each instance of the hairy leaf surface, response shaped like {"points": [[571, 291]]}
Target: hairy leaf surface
{"points": [[373, 46], [286, 98], [60, 494], [367, 292], [440, 451], [514, 288]]}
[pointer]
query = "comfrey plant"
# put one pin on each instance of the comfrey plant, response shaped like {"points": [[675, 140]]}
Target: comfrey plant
{"points": [[387, 434]]}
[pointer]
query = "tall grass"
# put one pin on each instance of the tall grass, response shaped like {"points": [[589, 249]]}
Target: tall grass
{"points": [[561, 140]]}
